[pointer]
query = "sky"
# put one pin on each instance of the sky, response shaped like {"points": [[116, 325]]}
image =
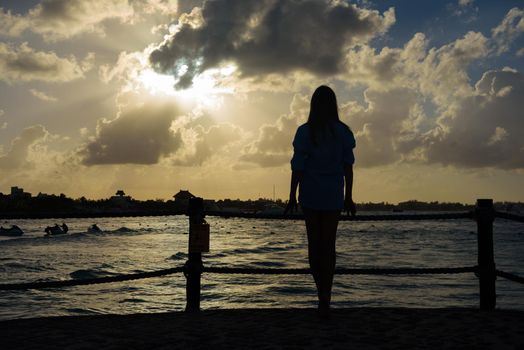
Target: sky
{"points": [[154, 96]]}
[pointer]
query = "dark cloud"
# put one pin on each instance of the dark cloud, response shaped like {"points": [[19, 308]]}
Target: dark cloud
{"points": [[138, 136], [16, 157], [267, 37]]}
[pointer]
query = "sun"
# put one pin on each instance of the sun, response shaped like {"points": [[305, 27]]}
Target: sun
{"points": [[204, 90]]}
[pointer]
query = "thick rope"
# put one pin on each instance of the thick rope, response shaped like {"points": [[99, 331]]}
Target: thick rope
{"points": [[88, 281], [510, 276], [509, 216], [386, 217], [340, 271]]}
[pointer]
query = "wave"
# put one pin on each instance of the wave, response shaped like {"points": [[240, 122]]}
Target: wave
{"points": [[123, 229], [91, 273], [265, 249], [132, 300], [178, 256], [268, 264], [290, 290], [19, 265], [80, 311]]}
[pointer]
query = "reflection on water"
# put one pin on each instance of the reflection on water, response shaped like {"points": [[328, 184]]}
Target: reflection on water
{"points": [[128, 245]]}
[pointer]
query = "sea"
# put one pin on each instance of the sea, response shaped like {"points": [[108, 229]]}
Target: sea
{"points": [[139, 244]]}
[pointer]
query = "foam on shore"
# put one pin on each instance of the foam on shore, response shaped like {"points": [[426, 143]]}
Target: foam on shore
{"points": [[360, 328]]}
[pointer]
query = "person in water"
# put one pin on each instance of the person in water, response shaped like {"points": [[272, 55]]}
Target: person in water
{"points": [[322, 160]]}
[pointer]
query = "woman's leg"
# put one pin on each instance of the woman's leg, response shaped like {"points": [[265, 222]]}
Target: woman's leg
{"points": [[313, 227], [327, 254]]}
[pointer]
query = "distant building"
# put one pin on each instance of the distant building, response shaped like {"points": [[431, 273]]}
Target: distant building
{"points": [[183, 197], [120, 200], [18, 193]]}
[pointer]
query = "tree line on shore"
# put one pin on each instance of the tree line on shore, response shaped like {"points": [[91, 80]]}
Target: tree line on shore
{"points": [[118, 204]]}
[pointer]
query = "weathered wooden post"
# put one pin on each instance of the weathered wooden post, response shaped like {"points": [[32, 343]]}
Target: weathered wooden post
{"points": [[198, 243], [485, 214]]}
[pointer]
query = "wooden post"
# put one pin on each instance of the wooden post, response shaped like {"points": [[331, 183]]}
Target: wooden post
{"points": [[484, 214], [194, 262]]}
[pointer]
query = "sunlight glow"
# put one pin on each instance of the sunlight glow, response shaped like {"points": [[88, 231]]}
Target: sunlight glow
{"points": [[205, 89]]}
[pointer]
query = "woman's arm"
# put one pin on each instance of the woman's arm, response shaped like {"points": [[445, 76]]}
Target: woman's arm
{"points": [[349, 205], [296, 175]]}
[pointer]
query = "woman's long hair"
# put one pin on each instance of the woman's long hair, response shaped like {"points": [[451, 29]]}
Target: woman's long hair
{"points": [[322, 113]]}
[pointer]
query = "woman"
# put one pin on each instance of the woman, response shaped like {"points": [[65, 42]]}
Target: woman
{"points": [[322, 159]]}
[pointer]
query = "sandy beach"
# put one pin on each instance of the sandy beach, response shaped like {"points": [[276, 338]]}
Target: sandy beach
{"points": [[360, 328]]}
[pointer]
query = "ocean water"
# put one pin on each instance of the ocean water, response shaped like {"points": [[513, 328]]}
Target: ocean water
{"points": [[137, 244]]}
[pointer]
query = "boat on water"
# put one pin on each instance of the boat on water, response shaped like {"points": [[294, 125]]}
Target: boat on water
{"points": [[56, 230], [13, 231], [93, 229]]}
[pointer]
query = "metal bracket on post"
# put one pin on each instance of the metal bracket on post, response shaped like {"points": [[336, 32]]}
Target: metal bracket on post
{"points": [[485, 215], [197, 245]]}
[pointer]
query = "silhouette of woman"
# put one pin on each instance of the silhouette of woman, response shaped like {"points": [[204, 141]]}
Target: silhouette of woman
{"points": [[322, 159]]}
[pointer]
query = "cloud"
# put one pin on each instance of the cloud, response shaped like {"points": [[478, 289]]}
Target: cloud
{"points": [[386, 127], [420, 107], [17, 155], [439, 72], [478, 130], [483, 130], [463, 126], [166, 7], [272, 146], [509, 29], [263, 37], [62, 19], [443, 70], [22, 63], [42, 96], [139, 135], [3, 125], [206, 143], [465, 9]]}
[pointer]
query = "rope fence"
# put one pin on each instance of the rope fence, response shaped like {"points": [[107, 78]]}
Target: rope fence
{"points": [[88, 281], [233, 270], [510, 276], [193, 269], [509, 216], [341, 271]]}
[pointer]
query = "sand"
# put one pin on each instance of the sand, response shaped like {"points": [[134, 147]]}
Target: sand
{"points": [[353, 328]]}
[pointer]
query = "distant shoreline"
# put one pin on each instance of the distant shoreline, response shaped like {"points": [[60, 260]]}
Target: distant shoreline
{"points": [[225, 213]]}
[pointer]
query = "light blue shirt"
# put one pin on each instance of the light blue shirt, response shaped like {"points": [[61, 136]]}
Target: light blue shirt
{"points": [[322, 165]]}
